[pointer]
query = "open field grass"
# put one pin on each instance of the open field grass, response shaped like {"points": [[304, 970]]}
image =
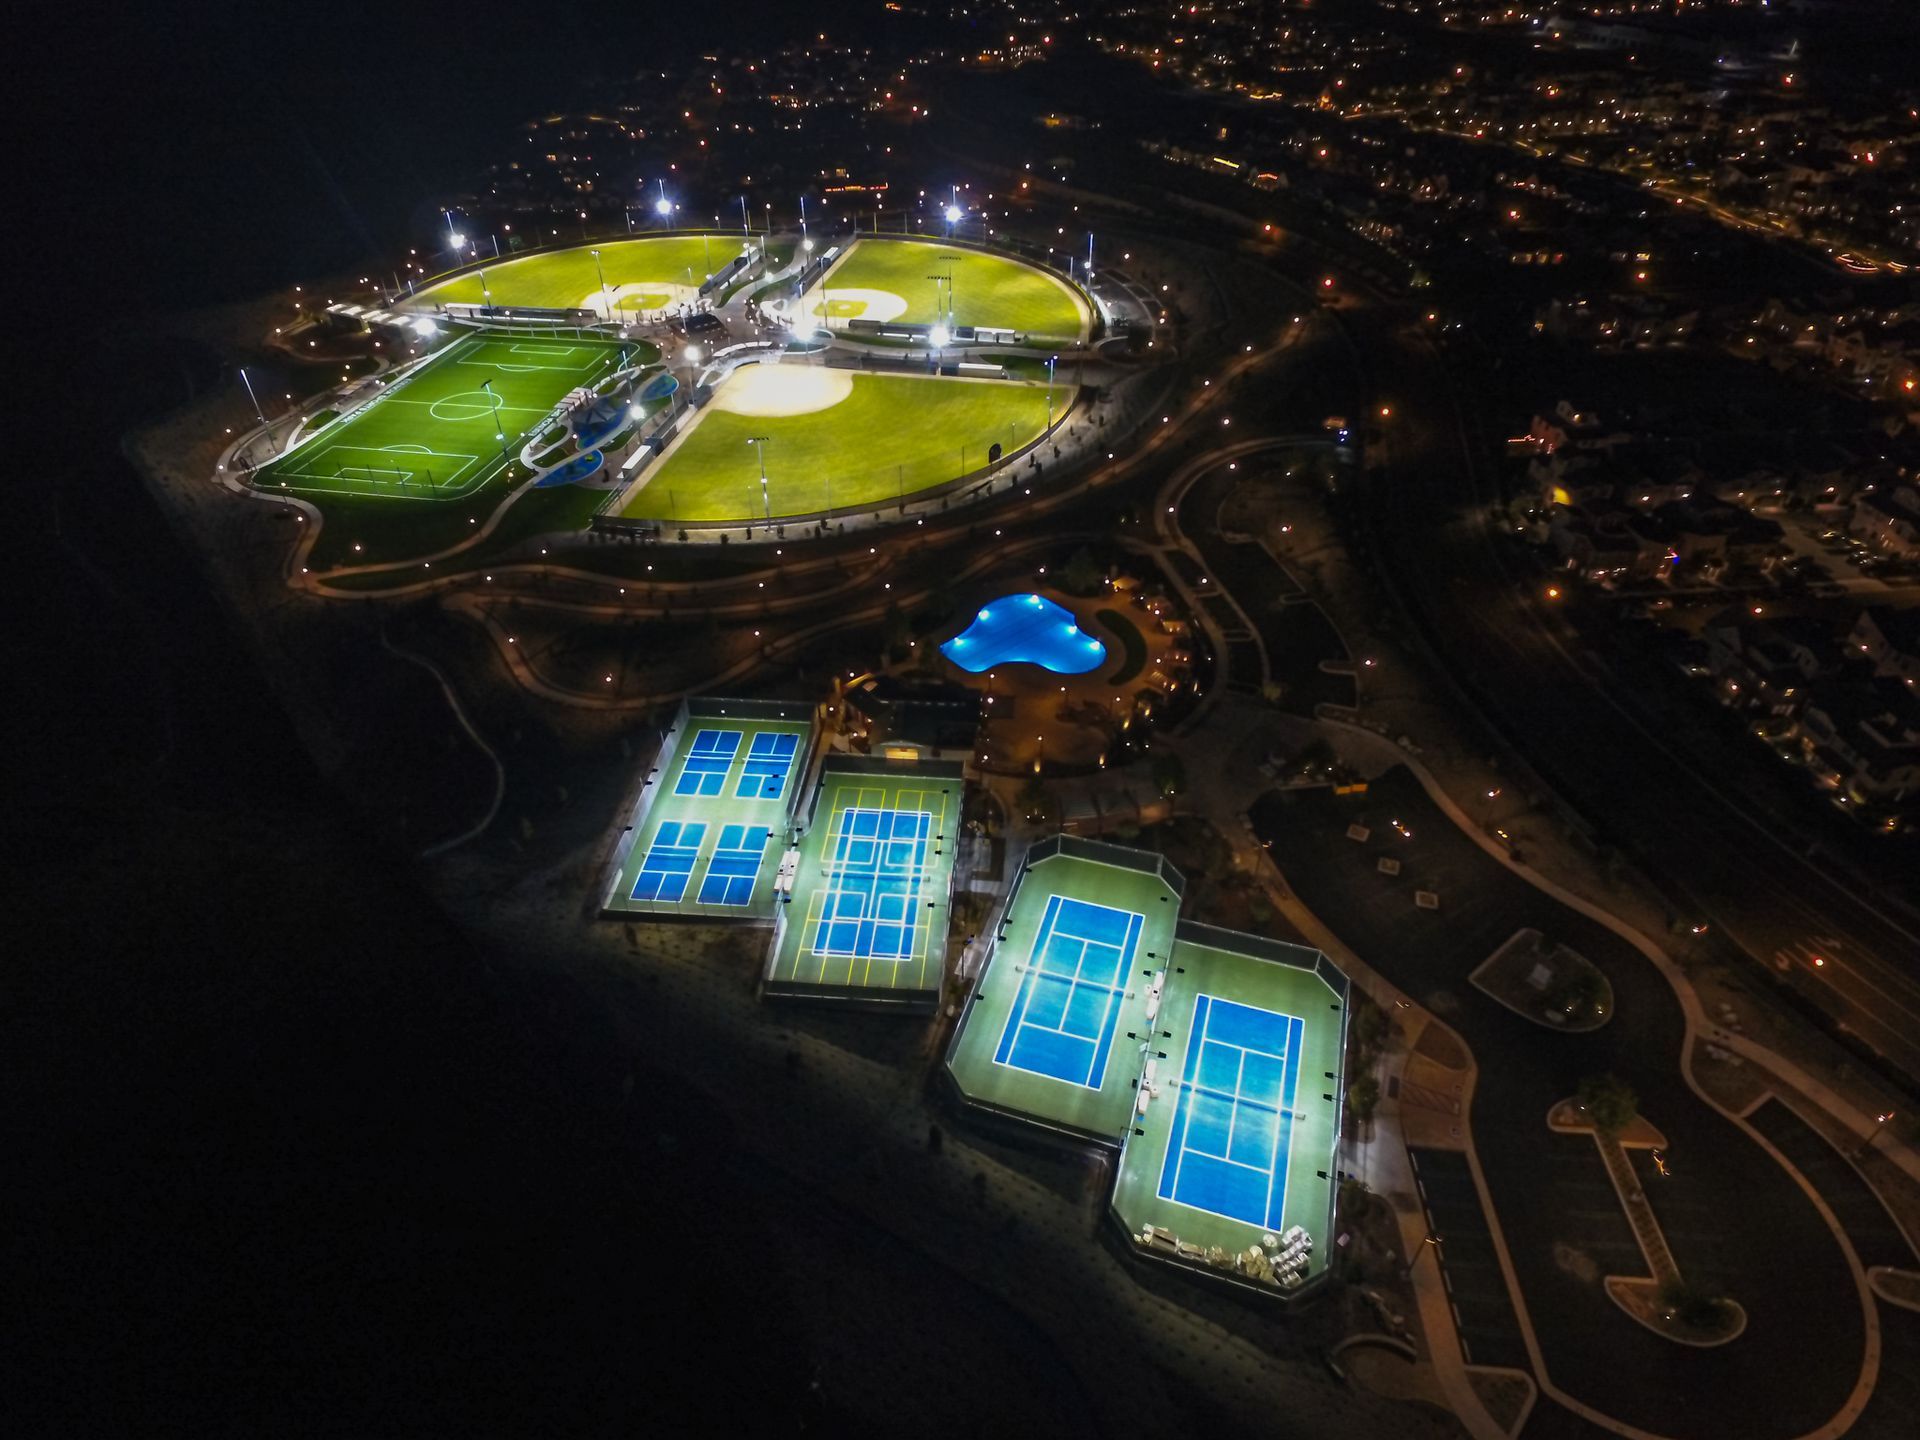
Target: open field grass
{"points": [[891, 435], [652, 271], [987, 289]]}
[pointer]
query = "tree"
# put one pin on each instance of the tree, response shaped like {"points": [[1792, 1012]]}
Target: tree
{"points": [[1082, 574], [895, 632], [1609, 1102], [1169, 773], [1363, 1096]]}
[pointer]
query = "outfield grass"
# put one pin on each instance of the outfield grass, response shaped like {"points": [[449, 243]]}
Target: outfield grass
{"points": [[987, 289], [892, 436], [567, 279]]}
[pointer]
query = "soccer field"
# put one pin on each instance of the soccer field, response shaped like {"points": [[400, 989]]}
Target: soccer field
{"points": [[431, 437], [641, 275], [834, 439], [890, 280]]}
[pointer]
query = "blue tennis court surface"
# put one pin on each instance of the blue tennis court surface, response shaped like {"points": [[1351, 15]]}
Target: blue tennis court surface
{"points": [[1062, 1023], [708, 760], [669, 864], [735, 865], [764, 776], [1227, 1150], [869, 909]]}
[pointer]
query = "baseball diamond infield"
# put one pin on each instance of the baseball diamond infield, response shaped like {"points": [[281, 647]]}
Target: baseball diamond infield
{"points": [[894, 279]]}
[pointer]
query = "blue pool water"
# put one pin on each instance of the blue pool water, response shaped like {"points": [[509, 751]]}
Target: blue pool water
{"points": [[1029, 628]]}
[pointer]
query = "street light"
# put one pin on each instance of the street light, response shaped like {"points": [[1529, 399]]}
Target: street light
{"points": [[1052, 360], [1879, 1123], [759, 443]]}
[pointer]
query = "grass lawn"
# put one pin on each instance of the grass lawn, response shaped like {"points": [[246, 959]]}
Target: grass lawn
{"points": [[892, 435], [987, 289], [1131, 641], [562, 279]]}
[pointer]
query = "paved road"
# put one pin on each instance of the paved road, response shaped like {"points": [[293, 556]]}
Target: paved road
{"points": [[1425, 513], [1736, 1220], [1894, 1408]]}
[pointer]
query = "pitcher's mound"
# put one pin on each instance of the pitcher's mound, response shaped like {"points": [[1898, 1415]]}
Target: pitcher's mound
{"points": [[782, 389]]}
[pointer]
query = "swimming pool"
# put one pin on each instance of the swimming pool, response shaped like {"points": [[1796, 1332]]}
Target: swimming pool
{"points": [[1028, 629]]}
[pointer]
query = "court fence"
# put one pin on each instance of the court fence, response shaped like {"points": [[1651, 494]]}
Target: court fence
{"points": [[613, 904]]}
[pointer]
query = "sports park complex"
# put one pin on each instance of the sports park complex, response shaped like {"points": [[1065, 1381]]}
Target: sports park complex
{"points": [[883, 369], [1210, 1060]]}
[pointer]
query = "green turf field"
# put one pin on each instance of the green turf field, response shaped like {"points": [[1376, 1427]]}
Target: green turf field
{"points": [[737, 794], [987, 1081], [988, 289], [432, 436], [891, 436], [569, 279], [1267, 976], [811, 962]]}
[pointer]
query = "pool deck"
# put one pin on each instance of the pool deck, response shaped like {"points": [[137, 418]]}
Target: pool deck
{"points": [[794, 969]]}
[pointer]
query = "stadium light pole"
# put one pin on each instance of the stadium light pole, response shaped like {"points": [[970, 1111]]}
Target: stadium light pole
{"points": [[745, 228], [258, 413], [1051, 361], [499, 431], [803, 217], [759, 443], [596, 270]]}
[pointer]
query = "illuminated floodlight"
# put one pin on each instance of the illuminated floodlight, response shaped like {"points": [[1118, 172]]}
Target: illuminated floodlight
{"points": [[633, 411], [953, 214], [425, 328], [807, 245], [663, 206], [939, 336], [693, 354], [459, 240]]}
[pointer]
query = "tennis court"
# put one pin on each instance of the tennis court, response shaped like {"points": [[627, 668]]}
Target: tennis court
{"points": [[1053, 1027], [449, 427], [1061, 1026], [870, 899], [1233, 1136], [713, 814], [1227, 1151]]}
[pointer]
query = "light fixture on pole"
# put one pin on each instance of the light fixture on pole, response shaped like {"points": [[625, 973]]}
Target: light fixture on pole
{"points": [[499, 431], [1052, 360], [759, 443], [258, 413]]}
